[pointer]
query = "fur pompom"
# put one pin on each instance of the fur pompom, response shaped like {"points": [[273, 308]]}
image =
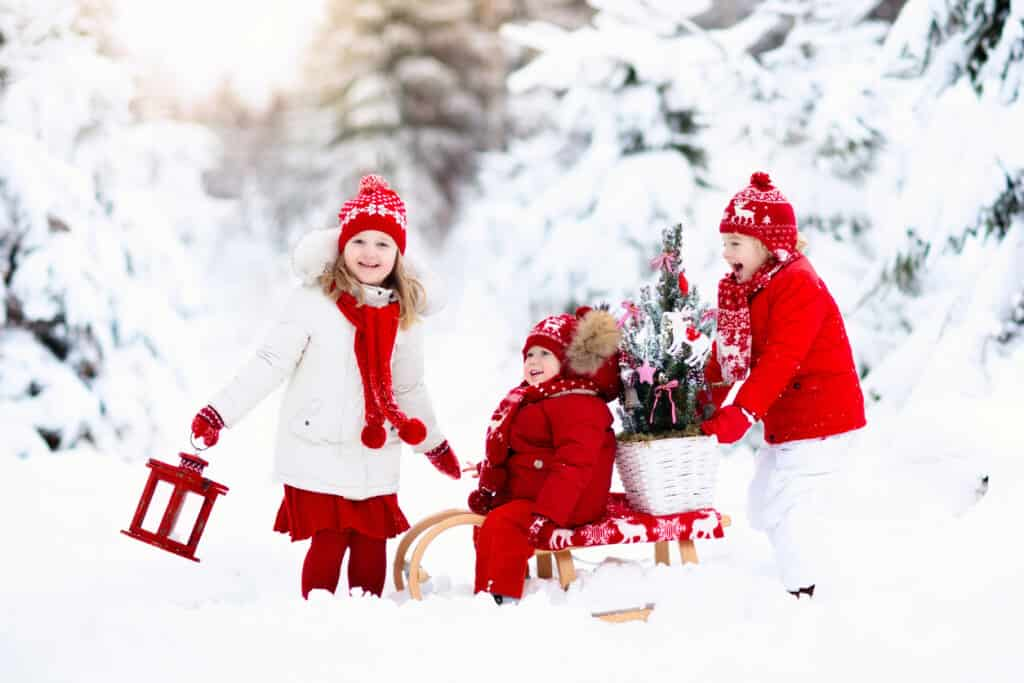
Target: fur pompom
{"points": [[314, 253], [412, 432], [595, 341], [762, 181], [374, 436], [372, 183]]}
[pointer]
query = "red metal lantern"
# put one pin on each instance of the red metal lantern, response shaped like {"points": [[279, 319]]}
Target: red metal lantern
{"points": [[187, 490]]}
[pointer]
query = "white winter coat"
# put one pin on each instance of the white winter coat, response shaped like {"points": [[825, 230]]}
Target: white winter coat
{"points": [[318, 446]]}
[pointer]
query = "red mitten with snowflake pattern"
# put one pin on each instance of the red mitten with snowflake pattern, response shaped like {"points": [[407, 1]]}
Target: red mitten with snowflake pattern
{"points": [[480, 502], [206, 425], [443, 458]]}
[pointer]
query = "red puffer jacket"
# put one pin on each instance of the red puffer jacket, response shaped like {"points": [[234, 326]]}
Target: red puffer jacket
{"points": [[803, 382], [561, 454]]}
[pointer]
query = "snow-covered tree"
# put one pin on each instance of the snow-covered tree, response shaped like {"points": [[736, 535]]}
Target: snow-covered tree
{"points": [[94, 209], [947, 291], [606, 152]]}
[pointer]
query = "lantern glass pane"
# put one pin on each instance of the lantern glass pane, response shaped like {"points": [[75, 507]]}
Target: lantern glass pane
{"points": [[157, 506], [190, 507]]}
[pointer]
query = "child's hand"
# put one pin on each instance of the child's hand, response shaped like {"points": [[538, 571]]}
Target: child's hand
{"points": [[729, 424], [472, 467], [206, 425], [443, 458]]}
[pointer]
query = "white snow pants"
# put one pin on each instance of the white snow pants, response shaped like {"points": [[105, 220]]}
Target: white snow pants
{"points": [[786, 499]]}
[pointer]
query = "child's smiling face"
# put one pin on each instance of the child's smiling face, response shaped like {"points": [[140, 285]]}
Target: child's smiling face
{"points": [[370, 256], [744, 254], [540, 365]]}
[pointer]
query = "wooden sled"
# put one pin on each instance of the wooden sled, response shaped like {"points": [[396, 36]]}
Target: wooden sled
{"points": [[433, 526]]}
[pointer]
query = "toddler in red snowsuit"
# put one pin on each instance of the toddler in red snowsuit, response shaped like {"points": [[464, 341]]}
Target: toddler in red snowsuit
{"points": [[781, 335], [550, 447]]}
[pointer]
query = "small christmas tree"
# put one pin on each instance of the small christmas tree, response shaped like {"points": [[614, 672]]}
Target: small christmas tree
{"points": [[666, 338]]}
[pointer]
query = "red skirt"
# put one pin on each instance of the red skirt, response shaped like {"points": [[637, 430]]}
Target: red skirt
{"points": [[303, 513]]}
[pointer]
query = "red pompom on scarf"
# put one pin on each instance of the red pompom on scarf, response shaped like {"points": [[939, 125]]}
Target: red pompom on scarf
{"points": [[376, 329]]}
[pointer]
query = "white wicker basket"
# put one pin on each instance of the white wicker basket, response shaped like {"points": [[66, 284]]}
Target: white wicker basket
{"points": [[667, 476]]}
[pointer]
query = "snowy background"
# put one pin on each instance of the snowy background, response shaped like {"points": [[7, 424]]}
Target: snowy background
{"points": [[149, 194]]}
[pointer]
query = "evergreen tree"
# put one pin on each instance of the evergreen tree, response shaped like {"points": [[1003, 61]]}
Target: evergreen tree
{"points": [[665, 342], [957, 194], [413, 90], [605, 144]]}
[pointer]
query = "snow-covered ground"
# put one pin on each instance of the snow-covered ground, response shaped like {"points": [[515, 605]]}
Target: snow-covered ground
{"points": [[924, 582], [924, 578]]}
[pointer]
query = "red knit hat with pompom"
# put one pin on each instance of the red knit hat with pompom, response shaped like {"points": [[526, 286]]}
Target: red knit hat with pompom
{"points": [[552, 333], [759, 210], [376, 207]]}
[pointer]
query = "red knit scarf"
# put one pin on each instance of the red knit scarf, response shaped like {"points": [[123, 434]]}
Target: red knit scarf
{"points": [[734, 334], [376, 329], [498, 433]]}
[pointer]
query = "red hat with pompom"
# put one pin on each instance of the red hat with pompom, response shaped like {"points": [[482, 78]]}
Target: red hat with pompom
{"points": [[552, 333], [376, 207], [759, 210]]}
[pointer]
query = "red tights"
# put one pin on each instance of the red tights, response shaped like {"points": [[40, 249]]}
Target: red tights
{"points": [[367, 563]]}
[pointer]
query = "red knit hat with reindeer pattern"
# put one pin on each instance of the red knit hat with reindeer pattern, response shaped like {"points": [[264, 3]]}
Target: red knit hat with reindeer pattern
{"points": [[376, 207], [552, 333], [759, 210]]}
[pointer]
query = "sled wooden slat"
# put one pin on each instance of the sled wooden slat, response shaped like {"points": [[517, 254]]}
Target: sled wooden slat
{"points": [[458, 519], [619, 616], [411, 535]]}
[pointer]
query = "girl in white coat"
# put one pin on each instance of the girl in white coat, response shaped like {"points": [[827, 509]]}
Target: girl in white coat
{"points": [[349, 346]]}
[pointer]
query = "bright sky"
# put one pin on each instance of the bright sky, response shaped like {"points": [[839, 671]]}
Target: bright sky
{"points": [[192, 45]]}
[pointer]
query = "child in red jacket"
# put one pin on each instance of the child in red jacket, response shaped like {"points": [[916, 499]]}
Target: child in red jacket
{"points": [[550, 447], [781, 337]]}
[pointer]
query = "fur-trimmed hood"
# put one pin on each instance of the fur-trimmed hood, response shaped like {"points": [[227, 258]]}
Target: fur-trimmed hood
{"points": [[318, 249], [595, 340], [593, 351]]}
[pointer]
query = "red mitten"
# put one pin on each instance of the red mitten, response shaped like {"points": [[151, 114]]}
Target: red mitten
{"points": [[443, 458], [540, 531], [729, 424], [206, 425], [480, 502]]}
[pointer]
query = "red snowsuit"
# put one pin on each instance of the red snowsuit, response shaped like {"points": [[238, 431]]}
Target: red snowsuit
{"points": [[803, 382], [559, 464]]}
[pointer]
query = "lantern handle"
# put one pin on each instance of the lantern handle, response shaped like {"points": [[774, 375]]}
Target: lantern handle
{"points": [[192, 440]]}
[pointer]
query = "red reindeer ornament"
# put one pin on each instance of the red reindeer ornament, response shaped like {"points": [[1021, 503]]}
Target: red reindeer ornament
{"points": [[188, 490]]}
